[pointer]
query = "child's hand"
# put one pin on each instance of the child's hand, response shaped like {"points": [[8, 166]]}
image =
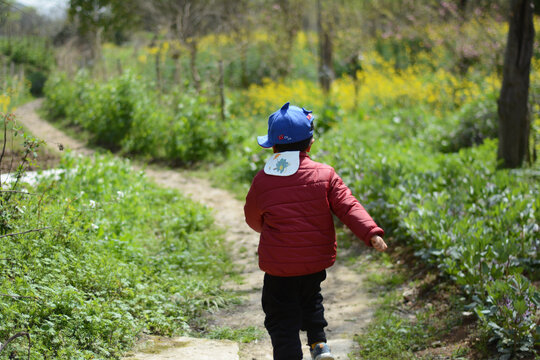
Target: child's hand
{"points": [[378, 243]]}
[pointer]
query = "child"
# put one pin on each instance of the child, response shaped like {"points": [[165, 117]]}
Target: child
{"points": [[290, 203]]}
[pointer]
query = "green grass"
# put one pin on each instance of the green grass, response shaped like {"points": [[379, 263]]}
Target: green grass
{"points": [[243, 335], [416, 327], [121, 257]]}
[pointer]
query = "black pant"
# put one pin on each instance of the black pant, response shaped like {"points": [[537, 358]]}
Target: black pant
{"points": [[292, 304]]}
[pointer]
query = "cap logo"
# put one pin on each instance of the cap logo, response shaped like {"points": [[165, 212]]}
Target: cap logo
{"points": [[309, 116], [284, 137]]}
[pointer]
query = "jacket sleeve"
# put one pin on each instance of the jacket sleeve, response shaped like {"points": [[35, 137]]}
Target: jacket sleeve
{"points": [[350, 211], [252, 213]]}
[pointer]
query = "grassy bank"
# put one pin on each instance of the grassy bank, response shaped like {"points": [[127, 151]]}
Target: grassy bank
{"points": [[117, 257]]}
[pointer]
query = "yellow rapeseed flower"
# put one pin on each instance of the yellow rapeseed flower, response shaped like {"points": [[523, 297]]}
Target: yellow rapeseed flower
{"points": [[108, 46], [381, 83], [301, 39], [165, 47], [142, 58], [5, 100], [152, 50]]}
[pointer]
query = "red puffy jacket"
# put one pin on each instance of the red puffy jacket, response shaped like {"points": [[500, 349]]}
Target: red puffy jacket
{"points": [[294, 216]]}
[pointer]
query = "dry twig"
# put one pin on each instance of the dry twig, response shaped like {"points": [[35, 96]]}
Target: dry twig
{"points": [[17, 335], [26, 232], [20, 296], [18, 192]]}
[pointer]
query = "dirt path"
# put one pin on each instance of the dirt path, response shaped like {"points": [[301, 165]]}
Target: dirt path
{"points": [[347, 302]]}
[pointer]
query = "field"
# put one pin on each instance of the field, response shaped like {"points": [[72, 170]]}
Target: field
{"points": [[412, 130]]}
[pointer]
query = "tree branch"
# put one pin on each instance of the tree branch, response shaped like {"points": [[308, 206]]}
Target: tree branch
{"points": [[18, 192], [26, 232], [5, 141], [17, 335], [20, 296]]}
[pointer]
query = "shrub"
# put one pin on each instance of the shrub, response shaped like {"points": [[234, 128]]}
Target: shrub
{"points": [[122, 257], [124, 115], [475, 224], [34, 55], [108, 113], [37, 80], [478, 121], [61, 95], [197, 133], [148, 129]]}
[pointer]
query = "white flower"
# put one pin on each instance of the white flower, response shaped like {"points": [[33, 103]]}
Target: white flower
{"points": [[92, 204], [94, 226], [120, 194]]}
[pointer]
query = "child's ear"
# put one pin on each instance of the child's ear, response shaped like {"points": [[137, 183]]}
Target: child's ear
{"points": [[310, 143]]}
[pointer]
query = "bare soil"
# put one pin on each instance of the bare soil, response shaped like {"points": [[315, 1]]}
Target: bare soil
{"points": [[347, 301], [12, 153]]}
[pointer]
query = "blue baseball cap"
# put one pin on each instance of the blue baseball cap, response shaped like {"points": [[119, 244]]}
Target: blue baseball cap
{"points": [[288, 125]]}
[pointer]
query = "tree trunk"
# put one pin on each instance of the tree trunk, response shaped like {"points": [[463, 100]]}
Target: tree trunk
{"points": [[221, 90], [326, 70], [462, 5], [95, 45], [193, 49], [514, 120], [244, 78], [158, 73], [177, 71]]}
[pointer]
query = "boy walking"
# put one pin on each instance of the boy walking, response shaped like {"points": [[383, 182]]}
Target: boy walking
{"points": [[290, 203]]}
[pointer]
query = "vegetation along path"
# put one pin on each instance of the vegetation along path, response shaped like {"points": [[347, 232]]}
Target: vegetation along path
{"points": [[347, 301]]}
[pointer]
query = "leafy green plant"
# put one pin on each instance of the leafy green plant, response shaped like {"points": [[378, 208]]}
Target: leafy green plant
{"points": [[108, 110], [331, 114], [244, 335], [10, 207], [34, 54], [509, 312], [477, 121], [196, 132], [61, 96], [120, 257], [475, 224], [123, 115]]}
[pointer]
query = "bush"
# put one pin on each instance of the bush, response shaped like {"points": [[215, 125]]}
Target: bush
{"points": [[108, 110], [148, 130], [35, 56], [32, 51], [478, 121], [475, 224], [196, 133], [124, 115], [122, 257], [37, 80], [61, 96]]}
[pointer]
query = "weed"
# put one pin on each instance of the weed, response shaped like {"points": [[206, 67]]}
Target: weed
{"points": [[244, 335]]}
